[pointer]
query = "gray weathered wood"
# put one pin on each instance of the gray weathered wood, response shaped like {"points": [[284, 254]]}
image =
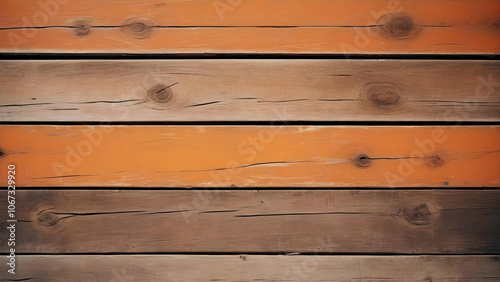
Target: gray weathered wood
{"points": [[176, 221], [192, 268], [249, 90]]}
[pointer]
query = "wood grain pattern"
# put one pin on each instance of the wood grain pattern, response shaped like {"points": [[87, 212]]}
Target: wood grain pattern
{"points": [[177, 268], [249, 221], [251, 156], [279, 26], [249, 90]]}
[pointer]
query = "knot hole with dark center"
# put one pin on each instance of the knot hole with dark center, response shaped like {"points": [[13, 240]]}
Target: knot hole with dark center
{"points": [[362, 161], [397, 26], [160, 93], [81, 27]]}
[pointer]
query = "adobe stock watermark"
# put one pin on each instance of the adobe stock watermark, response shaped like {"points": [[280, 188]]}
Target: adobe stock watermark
{"points": [[48, 9], [224, 6], [310, 263], [93, 137], [365, 34], [426, 152], [248, 150]]}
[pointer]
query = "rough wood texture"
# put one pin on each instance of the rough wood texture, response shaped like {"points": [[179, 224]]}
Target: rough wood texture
{"points": [[249, 90], [251, 156], [177, 268], [262, 26], [162, 221]]}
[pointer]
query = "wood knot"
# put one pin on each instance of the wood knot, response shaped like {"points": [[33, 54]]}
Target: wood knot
{"points": [[82, 27], [362, 161], [381, 96], [398, 26], [422, 214], [160, 93], [2, 153], [137, 28], [47, 218], [434, 161]]}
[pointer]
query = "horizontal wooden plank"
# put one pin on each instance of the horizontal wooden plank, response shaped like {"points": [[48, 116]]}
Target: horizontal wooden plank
{"points": [[251, 156], [249, 90], [256, 268], [249, 221], [279, 26]]}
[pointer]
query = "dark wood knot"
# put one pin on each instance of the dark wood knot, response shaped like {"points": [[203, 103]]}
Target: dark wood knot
{"points": [[160, 93], [381, 96], [434, 161], [422, 214], [137, 28], [362, 161], [2, 153], [398, 26], [47, 218], [82, 27]]}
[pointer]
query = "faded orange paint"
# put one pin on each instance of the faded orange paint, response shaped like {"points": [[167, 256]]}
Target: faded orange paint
{"points": [[177, 156]]}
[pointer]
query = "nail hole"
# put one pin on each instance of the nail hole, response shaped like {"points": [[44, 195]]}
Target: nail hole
{"points": [[362, 161]]}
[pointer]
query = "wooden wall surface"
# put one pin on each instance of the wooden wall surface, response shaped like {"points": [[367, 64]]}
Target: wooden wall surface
{"points": [[250, 140]]}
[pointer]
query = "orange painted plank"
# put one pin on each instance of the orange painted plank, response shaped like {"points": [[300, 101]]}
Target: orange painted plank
{"points": [[315, 26], [221, 156]]}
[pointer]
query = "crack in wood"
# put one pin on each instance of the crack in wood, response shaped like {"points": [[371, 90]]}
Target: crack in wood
{"points": [[301, 214], [24, 105], [163, 212], [217, 26], [111, 102], [243, 166], [284, 101], [203, 104]]}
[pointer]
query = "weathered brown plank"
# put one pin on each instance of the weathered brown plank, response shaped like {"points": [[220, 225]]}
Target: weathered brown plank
{"points": [[251, 156], [262, 26], [163, 221], [250, 90], [178, 268]]}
